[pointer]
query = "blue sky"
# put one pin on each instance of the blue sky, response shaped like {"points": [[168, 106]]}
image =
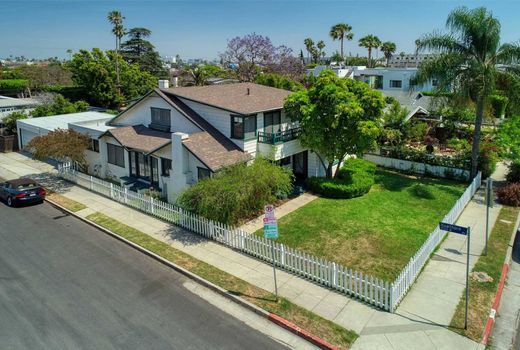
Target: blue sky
{"points": [[199, 28]]}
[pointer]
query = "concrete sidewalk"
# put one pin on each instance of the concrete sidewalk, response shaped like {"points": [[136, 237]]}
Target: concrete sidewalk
{"points": [[419, 322]]}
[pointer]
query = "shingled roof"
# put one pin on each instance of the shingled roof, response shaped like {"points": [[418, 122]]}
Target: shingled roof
{"points": [[214, 154], [140, 137], [241, 98]]}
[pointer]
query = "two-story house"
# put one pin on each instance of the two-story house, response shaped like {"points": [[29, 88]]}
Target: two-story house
{"points": [[173, 137]]}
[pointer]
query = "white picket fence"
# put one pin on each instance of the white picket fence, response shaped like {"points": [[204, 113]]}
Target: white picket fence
{"points": [[365, 287], [416, 167]]}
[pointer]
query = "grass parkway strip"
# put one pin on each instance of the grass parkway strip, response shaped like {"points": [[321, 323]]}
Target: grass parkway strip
{"points": [[303, 318], [483, 293]]}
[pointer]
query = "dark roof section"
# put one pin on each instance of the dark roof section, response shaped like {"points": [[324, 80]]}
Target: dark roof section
{"points": [[241, 98], [140, 137], [214, 154]]}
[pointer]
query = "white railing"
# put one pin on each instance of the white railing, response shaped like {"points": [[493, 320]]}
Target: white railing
{"points": [[408, 275], [365, 287], [417, 167]]}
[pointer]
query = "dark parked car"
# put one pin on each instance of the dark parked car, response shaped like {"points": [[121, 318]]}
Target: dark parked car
{"points": [[21, 191]]}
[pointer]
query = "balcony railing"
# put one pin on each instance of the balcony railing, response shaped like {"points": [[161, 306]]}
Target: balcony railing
{"points": [[278, 137]]}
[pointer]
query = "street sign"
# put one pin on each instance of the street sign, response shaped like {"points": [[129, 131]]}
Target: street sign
{"points": [[271, 232], [453, 228]]}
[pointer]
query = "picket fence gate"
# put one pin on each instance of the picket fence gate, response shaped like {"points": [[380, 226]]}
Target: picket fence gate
{"points": [[365, 287]]}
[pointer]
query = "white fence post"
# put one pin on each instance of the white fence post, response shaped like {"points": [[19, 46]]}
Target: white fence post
{"points": [[152, 209]]}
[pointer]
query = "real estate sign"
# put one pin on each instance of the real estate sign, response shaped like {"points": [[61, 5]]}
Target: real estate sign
{"points": [[270, 223]]}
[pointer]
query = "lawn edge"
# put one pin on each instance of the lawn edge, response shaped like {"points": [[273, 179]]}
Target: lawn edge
{"points": [[498, 296], [278, 320]]}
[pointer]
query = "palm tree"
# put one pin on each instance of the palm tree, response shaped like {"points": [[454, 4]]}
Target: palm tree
{"points": [[341, 31], [309, 45], [468, 60], [370, 42], [388, 49], [321, 45], [116, 19]]}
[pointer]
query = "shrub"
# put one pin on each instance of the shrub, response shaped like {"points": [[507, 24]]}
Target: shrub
{"points": [[487, 160], [510, 194], [354, 179], [238, 192], [514, 172]]}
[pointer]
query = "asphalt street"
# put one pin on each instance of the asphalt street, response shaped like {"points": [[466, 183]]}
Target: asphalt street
{"points": [[66, 285]]}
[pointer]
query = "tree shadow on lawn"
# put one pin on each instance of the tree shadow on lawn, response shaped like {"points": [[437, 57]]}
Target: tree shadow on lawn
{"points": [[421, 191]]}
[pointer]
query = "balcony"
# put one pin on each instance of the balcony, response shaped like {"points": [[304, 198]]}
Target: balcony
{"points": [[278, 137]]}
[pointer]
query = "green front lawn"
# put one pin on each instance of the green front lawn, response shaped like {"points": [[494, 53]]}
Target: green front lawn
{"points": [[377, 233]]}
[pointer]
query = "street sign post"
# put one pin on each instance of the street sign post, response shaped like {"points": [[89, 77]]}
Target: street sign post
{"points": [[465, 231], [271, 232]]}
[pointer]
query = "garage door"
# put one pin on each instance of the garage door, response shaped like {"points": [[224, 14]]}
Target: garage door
{"points": [[26, 136]]}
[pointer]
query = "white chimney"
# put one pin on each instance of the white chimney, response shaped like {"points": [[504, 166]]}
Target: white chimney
{"points": [[175, 81], [164, 84]]}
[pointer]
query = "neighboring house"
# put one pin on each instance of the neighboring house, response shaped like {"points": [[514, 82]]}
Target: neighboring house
{"points": [[173, 137], [9, 105], [418, 105], [92, 124], [410, 60], [381, 78], [392, 79]]}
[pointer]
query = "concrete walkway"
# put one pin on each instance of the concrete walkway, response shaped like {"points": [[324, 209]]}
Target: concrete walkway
{"points": [[284, 209], [419, 322]]}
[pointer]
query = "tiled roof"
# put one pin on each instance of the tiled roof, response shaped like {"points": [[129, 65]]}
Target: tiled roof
{"points": [[214, 154], [242, 98], [140, 137]]}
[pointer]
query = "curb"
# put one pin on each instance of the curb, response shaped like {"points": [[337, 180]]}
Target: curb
{"points": [[498, 296], [278, 320]]}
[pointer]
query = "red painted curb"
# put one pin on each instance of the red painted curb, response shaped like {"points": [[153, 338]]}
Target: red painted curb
{"points": [[301, 332], [496, 304]]}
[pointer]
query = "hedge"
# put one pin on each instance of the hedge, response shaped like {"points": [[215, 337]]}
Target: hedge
{"points": [[237, 193], [354, 179]]}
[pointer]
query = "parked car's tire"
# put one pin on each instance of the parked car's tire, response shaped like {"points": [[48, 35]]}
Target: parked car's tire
{"points": [[10, 201]]}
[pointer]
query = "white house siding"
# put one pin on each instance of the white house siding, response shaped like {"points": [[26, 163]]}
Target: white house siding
{"points": [[280, 151], [111, 169], [142, 114], [219, 118], [93, 159]]}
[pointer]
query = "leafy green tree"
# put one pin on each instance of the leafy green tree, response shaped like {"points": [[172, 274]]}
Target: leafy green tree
{"points": [[141, 51], [60, 144], [468, 60], [388, 49], [370, 42], [10, 121], [341, 32], [59, 105], [508, 137], [95, 71], [12, 87], [337, 117], [40, 76], [278, 81], [395, 129]]}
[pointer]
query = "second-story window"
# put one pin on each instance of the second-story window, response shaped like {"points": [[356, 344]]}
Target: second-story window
{"points": [[243, 127], [272, 121], [161, 119]]}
